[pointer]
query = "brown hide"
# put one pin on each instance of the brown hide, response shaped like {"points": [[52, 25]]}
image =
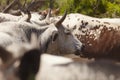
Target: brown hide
{"points": [[105, 45]]}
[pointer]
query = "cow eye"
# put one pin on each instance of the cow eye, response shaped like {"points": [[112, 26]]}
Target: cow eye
{"points": [[54, 36]]}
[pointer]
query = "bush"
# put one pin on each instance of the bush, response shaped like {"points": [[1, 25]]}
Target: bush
{"points": [[98, 8]]}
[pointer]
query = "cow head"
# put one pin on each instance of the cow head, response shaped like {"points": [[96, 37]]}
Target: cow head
{"points": [[66, 41], [35, 18]]}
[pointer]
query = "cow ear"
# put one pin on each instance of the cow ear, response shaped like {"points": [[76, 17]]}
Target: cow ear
{"points": [[58, 23], [54, 36], [5, 55], [29, 16]]}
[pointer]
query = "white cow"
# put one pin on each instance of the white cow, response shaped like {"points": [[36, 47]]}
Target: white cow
{"points": [[8, 17], [33, 17], [60, 68], [49, 67], [18, 32]]}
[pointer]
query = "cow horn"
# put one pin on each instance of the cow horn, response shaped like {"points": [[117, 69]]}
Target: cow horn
{"points": [[29, 16], [48, 14], [47, 19], [25, 17], [61, 20]]}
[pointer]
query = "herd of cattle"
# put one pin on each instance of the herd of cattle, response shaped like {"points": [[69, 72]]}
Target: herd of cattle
{"points": [[24, 39]]}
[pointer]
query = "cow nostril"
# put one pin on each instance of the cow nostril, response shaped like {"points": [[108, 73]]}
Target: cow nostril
{"points": [[80, 50]]}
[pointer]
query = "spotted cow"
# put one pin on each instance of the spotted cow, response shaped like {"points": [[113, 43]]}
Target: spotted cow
{"points": [[72, 17], [100, 39]]}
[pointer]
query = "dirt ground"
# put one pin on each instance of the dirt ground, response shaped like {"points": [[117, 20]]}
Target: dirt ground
{"points": [[78, 58]]}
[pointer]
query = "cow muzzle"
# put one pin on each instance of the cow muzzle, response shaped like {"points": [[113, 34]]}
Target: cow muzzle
{"points": [[78, 52]]}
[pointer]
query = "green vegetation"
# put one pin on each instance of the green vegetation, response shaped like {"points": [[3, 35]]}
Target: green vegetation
{"points": [[97, 8]]}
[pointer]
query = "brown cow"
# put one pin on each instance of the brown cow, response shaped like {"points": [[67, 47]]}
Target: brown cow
{"points": [[100, 39]]}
